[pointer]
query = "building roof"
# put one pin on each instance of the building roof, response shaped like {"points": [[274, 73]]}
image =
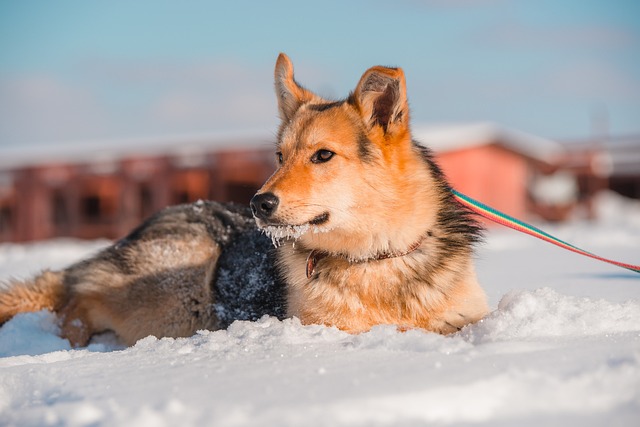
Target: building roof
{"points": [[110, 150], [450, 137], [620, 154]]}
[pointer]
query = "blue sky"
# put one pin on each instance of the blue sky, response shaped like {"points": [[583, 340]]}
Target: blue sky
{"points": [[74, 70]]}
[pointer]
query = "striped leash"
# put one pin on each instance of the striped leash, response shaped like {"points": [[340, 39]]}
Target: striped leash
{"points": [[514, 223]]}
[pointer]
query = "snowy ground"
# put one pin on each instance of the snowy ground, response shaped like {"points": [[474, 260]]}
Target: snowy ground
{"points": [[561, 348]]}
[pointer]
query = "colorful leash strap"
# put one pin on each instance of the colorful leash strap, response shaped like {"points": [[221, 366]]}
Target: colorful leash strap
{"points": [[511, 222]]}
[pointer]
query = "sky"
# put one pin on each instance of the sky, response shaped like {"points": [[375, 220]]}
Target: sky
{"points": [[87, 71]]}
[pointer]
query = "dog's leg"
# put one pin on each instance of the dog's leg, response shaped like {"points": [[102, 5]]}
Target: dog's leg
{"points": [[75, 323]]}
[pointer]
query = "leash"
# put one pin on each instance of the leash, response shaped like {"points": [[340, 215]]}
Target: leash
{"points": [[514, 223]]}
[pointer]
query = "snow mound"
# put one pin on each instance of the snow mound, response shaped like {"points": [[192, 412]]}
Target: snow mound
{"points": [[547, 313], [261, 336], [269, 334], [542, 313], [31, 334]]}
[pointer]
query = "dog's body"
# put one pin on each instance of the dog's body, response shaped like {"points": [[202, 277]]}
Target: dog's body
{"points": [[366, 227], [188, 267]]}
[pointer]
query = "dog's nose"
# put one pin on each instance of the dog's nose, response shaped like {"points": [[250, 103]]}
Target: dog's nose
{"points": [[263, 205]]}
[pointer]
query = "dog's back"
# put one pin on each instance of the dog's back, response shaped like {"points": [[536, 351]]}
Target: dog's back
{"points": [[189, 267]]}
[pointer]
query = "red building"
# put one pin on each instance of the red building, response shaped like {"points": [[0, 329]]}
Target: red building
{"points": [[495, 165], [92, 191]]}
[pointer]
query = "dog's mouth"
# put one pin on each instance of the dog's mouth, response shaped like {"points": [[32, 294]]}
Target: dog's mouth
{"points": [[278, 232]]}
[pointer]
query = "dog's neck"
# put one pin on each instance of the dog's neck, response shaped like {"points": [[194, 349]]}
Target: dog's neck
{"points": [[316, 256]]}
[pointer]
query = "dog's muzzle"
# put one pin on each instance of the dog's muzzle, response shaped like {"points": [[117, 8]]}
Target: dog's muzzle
{"points": [[264, 205]]}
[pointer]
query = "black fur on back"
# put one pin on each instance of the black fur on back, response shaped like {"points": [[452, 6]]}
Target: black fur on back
{"points": [[247, 284]]}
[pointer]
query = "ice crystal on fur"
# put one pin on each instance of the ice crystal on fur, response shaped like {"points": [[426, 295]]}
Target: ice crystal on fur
{"points": [[198, 206], [278, 234]]}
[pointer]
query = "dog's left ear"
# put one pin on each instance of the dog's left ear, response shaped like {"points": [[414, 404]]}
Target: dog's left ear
{"points": [[381, 97], [289, 93]]}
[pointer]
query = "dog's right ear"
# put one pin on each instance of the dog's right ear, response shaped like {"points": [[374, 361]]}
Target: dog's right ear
{"points": [[289, 93], [381, 96]]}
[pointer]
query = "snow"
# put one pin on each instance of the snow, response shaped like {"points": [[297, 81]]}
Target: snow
{"points": [[562, 347]]}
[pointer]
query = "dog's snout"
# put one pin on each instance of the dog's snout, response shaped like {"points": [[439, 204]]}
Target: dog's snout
{"points": [[264, 205]]}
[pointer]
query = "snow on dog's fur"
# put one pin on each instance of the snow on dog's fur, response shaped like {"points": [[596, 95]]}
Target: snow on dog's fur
{"points": [[364, 223]]}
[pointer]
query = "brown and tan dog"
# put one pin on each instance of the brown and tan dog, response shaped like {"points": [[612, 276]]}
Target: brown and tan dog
{"points": [[366, 229]]}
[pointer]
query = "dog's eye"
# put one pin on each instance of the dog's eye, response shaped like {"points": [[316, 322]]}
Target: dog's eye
{"points": [[279, 157], [322, 156]]}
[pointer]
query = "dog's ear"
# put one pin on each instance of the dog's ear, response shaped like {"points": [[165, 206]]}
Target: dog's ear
{"points": [[289, 93], [381, 97]]}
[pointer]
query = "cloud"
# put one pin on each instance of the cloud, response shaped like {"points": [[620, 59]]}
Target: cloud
{"points": [[553, 100], [42, 108], [109, 100], [226, 94], [182, 109], [452, 3], [197, 96], [525, 36], [594, 80]]}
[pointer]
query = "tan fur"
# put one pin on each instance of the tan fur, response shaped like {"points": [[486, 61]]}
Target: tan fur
{"points": [[148, 302], [97, 296], [133, 316], [45, 291]]}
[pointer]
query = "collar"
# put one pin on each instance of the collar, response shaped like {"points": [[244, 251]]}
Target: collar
{"points": [[316, 256]]}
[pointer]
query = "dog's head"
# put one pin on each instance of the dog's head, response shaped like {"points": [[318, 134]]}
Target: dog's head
{"points": [[348, 173]]}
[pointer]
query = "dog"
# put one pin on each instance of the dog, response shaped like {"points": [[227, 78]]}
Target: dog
{"points": [[356, 227]]}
